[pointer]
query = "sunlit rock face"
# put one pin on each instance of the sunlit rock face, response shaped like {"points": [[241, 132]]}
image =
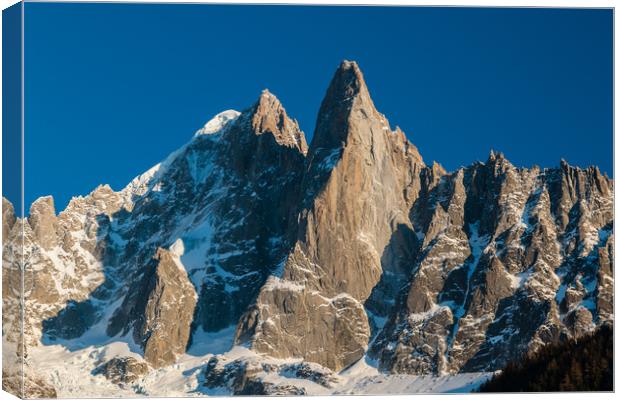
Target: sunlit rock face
{"points": [[361, 181], [511, 259]]}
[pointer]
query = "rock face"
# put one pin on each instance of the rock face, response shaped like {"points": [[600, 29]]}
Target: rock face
{"points": [[122, 370], [511, 259], [29, 386], [217, 195], [159, 309], [355, 163], [43, 222], [254, 376], [350, 247], [8, 217]]}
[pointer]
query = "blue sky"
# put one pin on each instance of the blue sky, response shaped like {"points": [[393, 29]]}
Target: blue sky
{"points": [[112, 89]]}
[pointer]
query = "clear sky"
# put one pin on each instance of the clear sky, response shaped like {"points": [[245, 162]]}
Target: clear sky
{"points": [[113, 89]]}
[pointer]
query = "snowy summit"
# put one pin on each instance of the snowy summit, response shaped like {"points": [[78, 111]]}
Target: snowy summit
{"points": [[218, 122]]}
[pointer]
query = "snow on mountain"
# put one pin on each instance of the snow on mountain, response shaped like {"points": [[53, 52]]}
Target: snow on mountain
{"points": [[217, 123]]}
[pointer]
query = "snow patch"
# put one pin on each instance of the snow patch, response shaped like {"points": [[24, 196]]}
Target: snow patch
{"points": [[178, 248], [218, 122], [422, 316], [330, 160], [408, 384], [274, 283], [204, 343]]}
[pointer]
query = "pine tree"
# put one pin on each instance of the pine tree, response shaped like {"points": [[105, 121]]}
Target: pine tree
{"points": [[585, 364]]}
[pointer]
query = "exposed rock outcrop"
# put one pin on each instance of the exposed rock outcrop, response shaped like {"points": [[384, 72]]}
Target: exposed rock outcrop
{"points": [[43, 222], [253, 376], [28, 387], [8, 218], [509, 262], [159, 309], [122, 370], [361, 181]]}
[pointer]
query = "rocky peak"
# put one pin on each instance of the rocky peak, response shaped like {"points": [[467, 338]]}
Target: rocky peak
{"points": [[43, 220], [347, 95], [348, 83], [103, 199], [355, 163], [438, 169], [269, 116], [168, 312], [586, 179], [569, 185], [498, 163], [261, 137], [102, 191], [159, 308], [8, 217]]}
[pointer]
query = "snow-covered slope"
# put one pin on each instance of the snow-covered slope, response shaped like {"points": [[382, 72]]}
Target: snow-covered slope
{"points": [[187, 378]]}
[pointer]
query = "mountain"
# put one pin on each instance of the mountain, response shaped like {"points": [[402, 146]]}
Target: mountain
{"points": [[249, 262]]}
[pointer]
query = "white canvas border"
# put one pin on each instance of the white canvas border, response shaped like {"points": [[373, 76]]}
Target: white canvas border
{"points": [[454, 3]]}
